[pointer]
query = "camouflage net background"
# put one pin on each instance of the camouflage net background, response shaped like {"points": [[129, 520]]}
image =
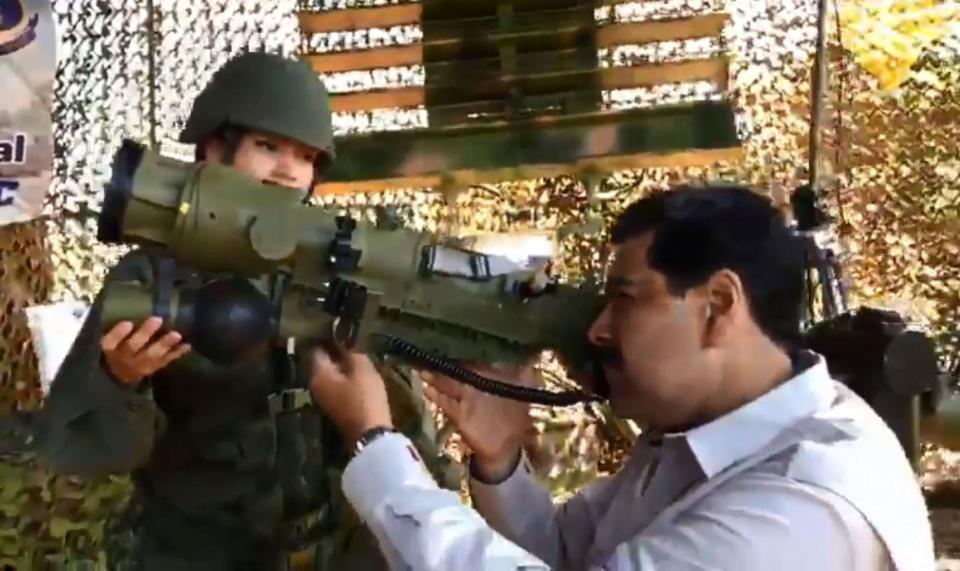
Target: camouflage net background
{"points": [[892, 116]]}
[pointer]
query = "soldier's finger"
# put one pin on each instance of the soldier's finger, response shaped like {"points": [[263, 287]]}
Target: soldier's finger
{"points": [[528, 375], [159, 349], [443, 384], [325, 370], [116, 335], [142, 335], [509, 373], [176, 353], [337, 352], [513, 373], [449, 406], [358, 363]]}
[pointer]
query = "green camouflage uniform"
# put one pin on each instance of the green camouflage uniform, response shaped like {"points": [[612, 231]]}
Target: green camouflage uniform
{"points": [[233, 467]]}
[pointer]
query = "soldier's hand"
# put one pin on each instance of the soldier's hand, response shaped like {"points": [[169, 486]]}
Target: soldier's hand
{"points": [[348, 388], [493, 427], [130, 355]]}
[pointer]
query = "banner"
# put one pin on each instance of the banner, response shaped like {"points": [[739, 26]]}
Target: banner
{"points": [[27, 68], [53, 328]]}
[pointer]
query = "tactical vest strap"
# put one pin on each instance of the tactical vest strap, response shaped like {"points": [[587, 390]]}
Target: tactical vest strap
{"points": [[300, 537], [247, 450], [298, 529], [301, 560], [289, 400], [163, 278]]}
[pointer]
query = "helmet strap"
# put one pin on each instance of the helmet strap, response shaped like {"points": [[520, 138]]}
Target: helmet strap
{"points": [[320, 166]]}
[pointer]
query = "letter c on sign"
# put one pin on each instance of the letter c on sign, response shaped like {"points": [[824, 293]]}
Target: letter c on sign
{"points": [[8, 189]]}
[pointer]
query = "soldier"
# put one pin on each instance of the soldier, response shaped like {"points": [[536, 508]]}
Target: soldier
{"points": [[233, 467]]}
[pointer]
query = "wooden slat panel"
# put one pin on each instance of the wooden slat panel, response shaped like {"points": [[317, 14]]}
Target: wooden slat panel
{"points": [[449, 71], [572, 21], [661, 30], [714, 69], [601, 79], [607, 36], [321, 21], [566, 139], [312, 22], [497, 110], [464, 71], [439, 73], [359, 18], [467, 177], [461, 114], [556, 19], [357, 60], [381, 99], [461, 9], [474, 44]]}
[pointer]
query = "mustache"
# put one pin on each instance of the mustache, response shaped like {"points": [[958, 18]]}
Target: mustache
{"points": [[608, 356]]}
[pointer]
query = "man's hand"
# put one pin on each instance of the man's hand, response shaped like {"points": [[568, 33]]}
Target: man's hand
{"points": [[493, 427], [348, 388], [129, 354]]}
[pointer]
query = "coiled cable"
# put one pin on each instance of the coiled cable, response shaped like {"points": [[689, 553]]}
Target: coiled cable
{"points": [[419, 357]]}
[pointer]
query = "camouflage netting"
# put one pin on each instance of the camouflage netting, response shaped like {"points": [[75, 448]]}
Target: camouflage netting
{"points": [[895, 154], [899, 167], [101, 94], [24, 280]]}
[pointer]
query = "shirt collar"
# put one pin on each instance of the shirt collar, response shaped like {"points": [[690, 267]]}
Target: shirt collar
{"points": [[744, 431]]}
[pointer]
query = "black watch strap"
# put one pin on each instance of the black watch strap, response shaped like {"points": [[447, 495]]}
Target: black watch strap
{"points": [[367, 438]]}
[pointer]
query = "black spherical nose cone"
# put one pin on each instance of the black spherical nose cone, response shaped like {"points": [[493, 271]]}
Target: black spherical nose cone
{"points": [[233, 321]]}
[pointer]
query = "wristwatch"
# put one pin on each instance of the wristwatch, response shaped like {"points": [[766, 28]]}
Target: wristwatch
{"points": [[367, 438]]}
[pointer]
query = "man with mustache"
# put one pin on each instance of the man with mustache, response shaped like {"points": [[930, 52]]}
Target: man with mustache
{"points": [[751, 458]]}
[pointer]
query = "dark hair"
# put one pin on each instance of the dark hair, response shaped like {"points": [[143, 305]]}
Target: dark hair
{"points": [[698, 231], [230, 135]]}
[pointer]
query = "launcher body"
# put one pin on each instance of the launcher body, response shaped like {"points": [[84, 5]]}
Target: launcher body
{"points": [[368, 288]]}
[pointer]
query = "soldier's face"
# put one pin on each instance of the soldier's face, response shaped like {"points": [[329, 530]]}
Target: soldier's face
{"points": [[271, 159], [655, 355]]}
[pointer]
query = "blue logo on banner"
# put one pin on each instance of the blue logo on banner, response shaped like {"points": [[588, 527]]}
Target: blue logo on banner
{"points": [[8, 191], [16, 30]]}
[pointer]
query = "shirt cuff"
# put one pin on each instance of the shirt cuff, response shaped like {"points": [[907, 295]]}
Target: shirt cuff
{"points": [[476, 475], [389, 464], [496, 501]]}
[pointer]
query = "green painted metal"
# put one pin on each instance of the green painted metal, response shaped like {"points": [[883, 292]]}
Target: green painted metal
{"points": [[216, 219], [560, 140]]}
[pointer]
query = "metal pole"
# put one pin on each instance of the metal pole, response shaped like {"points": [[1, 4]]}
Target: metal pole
{"points": [[818, 84], [152, 75]]}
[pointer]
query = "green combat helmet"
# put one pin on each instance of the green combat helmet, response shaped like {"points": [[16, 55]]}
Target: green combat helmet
{"points": [[264, 92]]}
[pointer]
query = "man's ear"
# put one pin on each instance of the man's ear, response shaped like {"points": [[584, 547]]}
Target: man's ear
{"points": [[725, 303]]}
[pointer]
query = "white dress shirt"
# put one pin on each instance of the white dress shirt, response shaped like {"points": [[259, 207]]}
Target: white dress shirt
{"points": [[805, 477]]}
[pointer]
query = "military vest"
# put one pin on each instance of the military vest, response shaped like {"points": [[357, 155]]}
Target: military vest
{"points": [[244, 450]]}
